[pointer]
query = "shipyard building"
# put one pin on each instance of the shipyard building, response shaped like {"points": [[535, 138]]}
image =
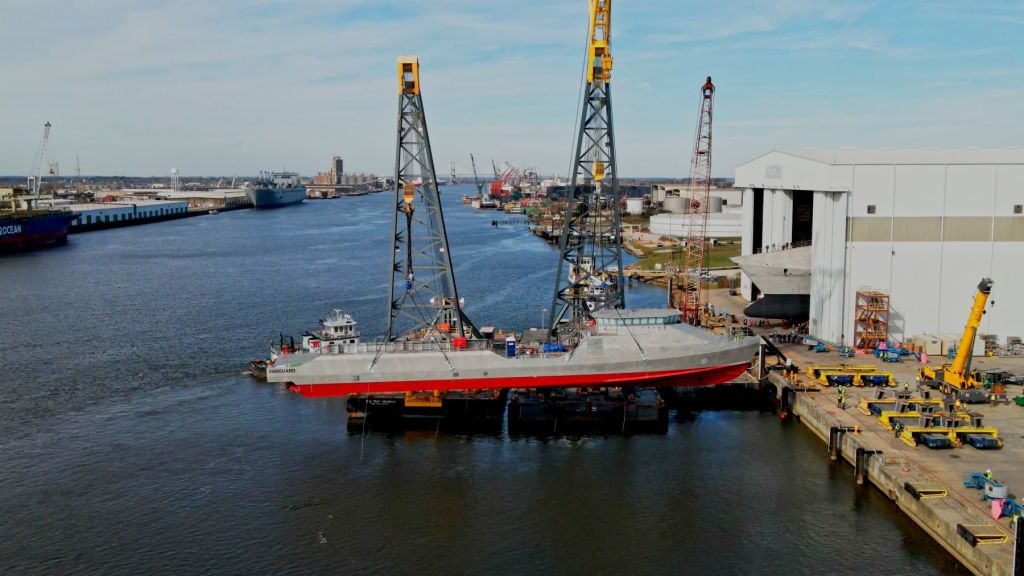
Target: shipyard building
{"points": [[724, 219], [822, 228]]}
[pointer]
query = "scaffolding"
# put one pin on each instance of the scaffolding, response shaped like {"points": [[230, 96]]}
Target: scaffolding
{"points": [[872, 319]]}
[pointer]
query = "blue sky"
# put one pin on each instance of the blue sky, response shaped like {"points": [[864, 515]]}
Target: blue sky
{"points": [[223, 87]]}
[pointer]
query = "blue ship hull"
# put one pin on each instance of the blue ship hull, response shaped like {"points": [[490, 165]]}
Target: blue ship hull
{"points": [[21, 232]]}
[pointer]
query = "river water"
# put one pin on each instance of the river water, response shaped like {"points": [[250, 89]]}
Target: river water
{"points": [[131, 442]]}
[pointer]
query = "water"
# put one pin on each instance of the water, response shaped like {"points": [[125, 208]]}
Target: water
{"points": [[130, 441]]}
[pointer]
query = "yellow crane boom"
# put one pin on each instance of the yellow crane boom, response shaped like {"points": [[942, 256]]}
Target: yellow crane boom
{"points": [[958, 374], [599, 54]]}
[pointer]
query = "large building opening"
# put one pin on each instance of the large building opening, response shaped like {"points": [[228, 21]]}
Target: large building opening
{"points": [[758, 209], [803, 218]]}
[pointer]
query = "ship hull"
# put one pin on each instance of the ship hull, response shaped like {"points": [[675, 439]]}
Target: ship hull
{"points": [[275, 197], [674, 378], [23, 233], [676, 355]]}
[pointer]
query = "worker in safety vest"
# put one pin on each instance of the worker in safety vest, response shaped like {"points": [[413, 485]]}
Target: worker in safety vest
{"points": [[988, 475], [841, 399]]}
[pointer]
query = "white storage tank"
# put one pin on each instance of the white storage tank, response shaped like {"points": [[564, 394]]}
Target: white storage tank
{"points": [[715, 204], [675, 204], [634, 205]]}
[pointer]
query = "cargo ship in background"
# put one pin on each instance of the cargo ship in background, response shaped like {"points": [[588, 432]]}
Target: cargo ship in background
{"points": [[25, 222], [275, 189], [26, 226]]}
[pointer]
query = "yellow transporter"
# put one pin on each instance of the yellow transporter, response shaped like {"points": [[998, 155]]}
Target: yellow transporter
{"points": [[875, 379], [886, 417], [875, 406], [839, 375], [949, 437]]}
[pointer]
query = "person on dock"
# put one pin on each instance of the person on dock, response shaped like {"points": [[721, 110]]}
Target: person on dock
{"points": [[841, 398], [988, 474]]}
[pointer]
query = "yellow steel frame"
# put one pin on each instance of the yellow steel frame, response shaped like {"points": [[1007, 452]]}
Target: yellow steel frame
{"points": [[408, 75], [599, 52]]}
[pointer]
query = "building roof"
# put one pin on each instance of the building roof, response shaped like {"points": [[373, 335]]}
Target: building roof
{"points": [[888, 156], [79, 207]]}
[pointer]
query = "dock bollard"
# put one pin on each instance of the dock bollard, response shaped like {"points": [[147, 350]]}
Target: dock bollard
{"points": [[860, 466], [834, 436], [786, 402]]}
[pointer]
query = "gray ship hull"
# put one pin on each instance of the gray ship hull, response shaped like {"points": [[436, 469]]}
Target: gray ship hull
{"points": [[673, 355], [267, 197]]}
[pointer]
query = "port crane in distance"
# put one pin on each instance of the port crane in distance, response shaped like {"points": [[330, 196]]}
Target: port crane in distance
{"points": [[958, 375]]}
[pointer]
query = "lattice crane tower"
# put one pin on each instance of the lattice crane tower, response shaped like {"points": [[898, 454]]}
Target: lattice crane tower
{"points": [[590, 264], [424, 303], [693, 297]]}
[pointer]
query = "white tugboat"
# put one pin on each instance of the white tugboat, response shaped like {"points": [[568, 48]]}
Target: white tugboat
{"points": [[338, 332]]}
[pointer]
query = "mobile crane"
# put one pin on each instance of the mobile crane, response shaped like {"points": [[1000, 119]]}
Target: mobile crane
{"points": [[958, 375]]}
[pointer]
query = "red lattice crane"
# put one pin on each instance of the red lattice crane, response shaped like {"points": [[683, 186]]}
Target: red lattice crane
{"points": [[692, 298]]}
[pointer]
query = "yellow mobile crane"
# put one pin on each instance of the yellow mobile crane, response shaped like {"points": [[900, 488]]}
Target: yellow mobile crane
{"points": [[958, 375]]}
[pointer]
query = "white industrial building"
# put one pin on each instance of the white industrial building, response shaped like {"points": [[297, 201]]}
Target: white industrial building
{"points": [[922, 225], [725, 211], [102, 214], [719, 225]]}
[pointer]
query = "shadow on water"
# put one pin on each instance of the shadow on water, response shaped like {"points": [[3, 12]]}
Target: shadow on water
{"points": [[735, 396]]}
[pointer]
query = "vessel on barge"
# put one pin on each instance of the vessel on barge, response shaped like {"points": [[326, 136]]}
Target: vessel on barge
{"points": [[639, 347]]}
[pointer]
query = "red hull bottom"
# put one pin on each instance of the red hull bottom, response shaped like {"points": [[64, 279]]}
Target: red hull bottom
{"points": [[682, 378]]}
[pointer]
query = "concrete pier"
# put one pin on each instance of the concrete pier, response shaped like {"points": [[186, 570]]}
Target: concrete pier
{"points": [[925, 484]]}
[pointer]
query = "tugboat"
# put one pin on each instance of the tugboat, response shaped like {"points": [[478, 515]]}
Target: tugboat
{"points": [[337, 332]]}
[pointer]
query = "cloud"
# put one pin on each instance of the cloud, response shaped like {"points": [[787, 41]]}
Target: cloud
{"points": [[136, 87]]}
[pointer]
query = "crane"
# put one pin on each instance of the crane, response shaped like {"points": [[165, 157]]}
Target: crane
{"points": [[476, 179], [36, 176], [958, 375], [590, 244], [692, 293], [424, 302], [452, 178]]}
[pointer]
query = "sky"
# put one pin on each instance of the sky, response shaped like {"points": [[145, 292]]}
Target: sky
{"points": [[221, 87]]}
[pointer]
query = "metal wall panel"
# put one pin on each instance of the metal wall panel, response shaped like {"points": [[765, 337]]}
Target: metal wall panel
{"points": [[1006, 315], [914, 293], [1009, 189], [747, 238], [869, 228], [919, 190], [970, 190], [925, 229], [967, 229], [964, 264], [1010, 229], [872, 186], [828, 265]]}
